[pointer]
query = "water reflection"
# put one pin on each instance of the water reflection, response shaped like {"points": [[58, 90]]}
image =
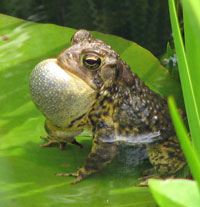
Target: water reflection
{"points": [[78, 194]]}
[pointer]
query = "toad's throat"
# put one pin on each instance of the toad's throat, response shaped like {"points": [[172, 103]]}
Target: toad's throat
{"points": [[61, 96]]}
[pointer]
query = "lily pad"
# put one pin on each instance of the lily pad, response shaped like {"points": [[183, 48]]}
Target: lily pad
{"points": [[27, 175]]}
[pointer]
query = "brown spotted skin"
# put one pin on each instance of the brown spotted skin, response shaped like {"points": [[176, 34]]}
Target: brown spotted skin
{"points": [[111, 117], [123, 107], [166, 157]]}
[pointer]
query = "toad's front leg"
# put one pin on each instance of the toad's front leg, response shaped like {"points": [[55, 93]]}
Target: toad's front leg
{"points": [[101, 154], [59, 135]]}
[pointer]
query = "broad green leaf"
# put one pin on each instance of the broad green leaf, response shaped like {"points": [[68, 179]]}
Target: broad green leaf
{"points": [[175, 192], [27, 175]]}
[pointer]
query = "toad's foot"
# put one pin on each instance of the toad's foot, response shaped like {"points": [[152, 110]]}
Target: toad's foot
{"points": [[149, 174], [62, 144], [144, 181], [51, 143], [77, 143], [79, 174]]}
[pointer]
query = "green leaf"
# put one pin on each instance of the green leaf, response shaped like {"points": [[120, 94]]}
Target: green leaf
{"points": [[192, 46], [188, 64], [169, 50], [27, 175], [175, 192], [186, 145], [191, 13]]}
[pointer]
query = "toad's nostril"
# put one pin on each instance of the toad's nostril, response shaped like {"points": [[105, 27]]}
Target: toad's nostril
{"points": [[68, 55]]}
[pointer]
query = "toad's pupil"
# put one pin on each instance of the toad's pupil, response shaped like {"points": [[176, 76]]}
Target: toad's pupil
{"points": [[91, 61]]}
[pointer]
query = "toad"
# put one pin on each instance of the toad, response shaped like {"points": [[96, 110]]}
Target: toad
{"points": [[90, 87]]}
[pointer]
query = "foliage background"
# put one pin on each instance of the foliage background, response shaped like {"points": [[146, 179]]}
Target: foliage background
{"points": [[143, 21]]}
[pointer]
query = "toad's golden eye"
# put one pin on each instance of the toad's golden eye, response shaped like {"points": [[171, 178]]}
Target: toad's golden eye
{"points": [[91, 61]]}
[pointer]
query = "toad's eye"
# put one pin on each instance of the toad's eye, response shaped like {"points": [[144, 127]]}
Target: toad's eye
{"points": [[91, 61]]}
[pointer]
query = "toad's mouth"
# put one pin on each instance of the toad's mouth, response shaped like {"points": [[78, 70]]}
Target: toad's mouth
{"points": [[78, 76], [60, 95], [75, 72]]}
